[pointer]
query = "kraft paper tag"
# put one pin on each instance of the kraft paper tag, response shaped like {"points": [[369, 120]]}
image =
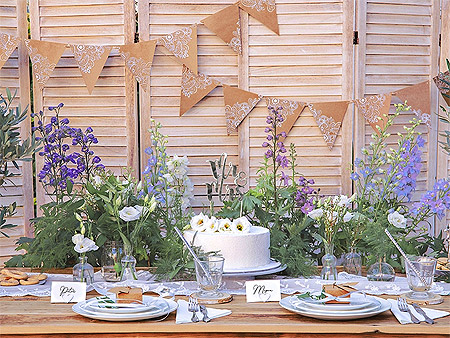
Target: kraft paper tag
{"points": [[262, 291], [68, 292]]}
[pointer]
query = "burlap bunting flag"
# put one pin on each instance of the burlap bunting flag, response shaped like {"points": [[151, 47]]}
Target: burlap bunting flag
{"points": [[264, 11], [442, 81], [91, 60], [418, 97], [194, 87], [226, 24], [139, 58], [183, 44], [291, 110], [238, 104], [329, 117], [8, 44], [375, 109], [44, 56]]}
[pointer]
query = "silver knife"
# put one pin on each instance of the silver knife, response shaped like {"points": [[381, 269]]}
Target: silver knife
{"points": [[420, 310]]}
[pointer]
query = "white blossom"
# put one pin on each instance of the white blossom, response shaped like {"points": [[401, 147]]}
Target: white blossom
{"points": [[397, 219], [129, 214], [198, 222], [316, 214], [241, 225], [225, 225]]}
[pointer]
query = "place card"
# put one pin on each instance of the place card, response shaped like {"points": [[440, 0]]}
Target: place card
{"points": [[263, 291], [68, 292]]}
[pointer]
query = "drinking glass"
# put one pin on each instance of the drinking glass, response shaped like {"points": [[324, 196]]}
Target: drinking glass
{"points": [[111, 261], [208, 287], [425, 266]]}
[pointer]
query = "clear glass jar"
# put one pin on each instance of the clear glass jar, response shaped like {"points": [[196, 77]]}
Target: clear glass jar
{"points": [[128, 265], [111, 261], [381, 271], [329, 271], [353, 263], [83, 271]]}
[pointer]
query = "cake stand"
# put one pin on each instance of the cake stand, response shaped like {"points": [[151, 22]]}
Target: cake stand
{"points": [[271, 268]]}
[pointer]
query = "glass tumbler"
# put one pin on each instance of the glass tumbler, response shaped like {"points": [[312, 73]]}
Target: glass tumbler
{"points": [[209, 285], [426, 267]]}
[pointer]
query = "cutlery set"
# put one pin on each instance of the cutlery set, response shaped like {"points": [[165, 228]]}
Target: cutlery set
{"points": [[403, 307], [194, 307]]}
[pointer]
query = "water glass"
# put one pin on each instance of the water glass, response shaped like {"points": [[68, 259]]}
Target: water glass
{"points": [[208, 286], [111, 261], [426, 267]]}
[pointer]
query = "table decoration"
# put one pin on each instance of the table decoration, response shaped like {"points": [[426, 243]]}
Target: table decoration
{"points": [[405, 318], [184, 316], [112, 253], [83, 271]]}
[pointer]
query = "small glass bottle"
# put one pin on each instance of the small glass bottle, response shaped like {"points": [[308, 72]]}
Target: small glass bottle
{"points": [[381, 271], [83, 271], [329, 271], [128, 265], [353, 262], [111, 261]]}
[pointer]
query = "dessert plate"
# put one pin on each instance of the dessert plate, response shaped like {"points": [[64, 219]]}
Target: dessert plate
{"points": [[384, 305], [165, 306], [353, 305], [93, 305], [273, 267]]}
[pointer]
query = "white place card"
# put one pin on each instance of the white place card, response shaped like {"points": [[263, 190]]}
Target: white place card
{"points": [[68, 292], [263, 291]]}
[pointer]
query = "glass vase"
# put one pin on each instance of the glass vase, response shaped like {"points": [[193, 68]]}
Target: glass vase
{"points": [[111, 261], [381, 271], [353, 262], [329, 271], [83, 271], [128, 265]]}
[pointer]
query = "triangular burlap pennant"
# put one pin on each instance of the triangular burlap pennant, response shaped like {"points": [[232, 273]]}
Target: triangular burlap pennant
{"points": [[44, 56], [329, 117], [8, 44], [264, 11], [138, 58], [443, 83], [90, 59], [194, 87], [226, 24], [238, 104], [375, 109], [290, 112], [418, 97], [183, 44]]}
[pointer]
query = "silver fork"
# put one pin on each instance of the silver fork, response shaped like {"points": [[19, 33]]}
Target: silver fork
{"points": [[193, 307], [403, 307]]}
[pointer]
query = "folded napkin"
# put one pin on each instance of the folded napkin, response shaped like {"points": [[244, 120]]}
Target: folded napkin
{"points": [[184, 316], [405, 318]]}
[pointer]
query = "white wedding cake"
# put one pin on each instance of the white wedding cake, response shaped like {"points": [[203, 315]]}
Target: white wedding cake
{"points": [[243, 246]]}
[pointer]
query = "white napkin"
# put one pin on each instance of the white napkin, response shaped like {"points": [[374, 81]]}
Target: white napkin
{"points": [[405, 318], [184, 316]]}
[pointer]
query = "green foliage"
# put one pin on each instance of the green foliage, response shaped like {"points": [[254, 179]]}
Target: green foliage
{"points": [[12, 149]]}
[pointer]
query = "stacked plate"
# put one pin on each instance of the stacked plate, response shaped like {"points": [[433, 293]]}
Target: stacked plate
{"points": [[151, 307], [360, 307]]}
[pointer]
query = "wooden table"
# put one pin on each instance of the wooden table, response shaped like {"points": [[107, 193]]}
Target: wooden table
{"points": [[37, 317]]}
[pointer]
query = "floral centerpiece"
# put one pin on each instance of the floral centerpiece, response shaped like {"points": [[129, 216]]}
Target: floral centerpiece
{"points": [[83, 271]]}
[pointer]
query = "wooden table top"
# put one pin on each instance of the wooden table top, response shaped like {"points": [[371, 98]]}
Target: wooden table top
{"points": [[36, 317]]}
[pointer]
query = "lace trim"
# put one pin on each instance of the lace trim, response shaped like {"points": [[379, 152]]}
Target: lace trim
{"points": [[191, 83], [86, 56], [7, 45], [238, 111], [371, 107], [138, 67], [236, 43], [442, 86], [289, 107], [259, 5], [42, 67], [327, 125], [178, 42]]}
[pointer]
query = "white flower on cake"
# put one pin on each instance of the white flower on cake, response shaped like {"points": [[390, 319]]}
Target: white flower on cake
{"points": [[225, 225], [397, 219], [83, 244], [241, 225], [198, 222], [212, 225], [129, 214], [315, 214]]}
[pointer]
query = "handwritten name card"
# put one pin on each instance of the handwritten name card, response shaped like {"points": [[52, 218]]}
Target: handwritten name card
{"points": [[263, 291], [68, 292]]}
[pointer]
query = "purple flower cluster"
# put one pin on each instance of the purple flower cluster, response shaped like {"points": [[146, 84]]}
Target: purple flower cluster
{"points": [[276, 148], [61, 166], [434, 202], [304, 196], [153, 174]]}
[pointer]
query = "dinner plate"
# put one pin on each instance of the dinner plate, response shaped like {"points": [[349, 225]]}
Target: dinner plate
{"points": [[353, 305], [335, 315], [93, 305], [326, 311], [167, 306]]}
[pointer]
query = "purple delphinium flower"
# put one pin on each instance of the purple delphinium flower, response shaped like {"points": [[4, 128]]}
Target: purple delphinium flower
{"points": [[284, 179], [433, 202]]}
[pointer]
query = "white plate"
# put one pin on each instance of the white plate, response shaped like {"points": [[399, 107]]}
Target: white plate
{"points": [[272, 265], [169, 306], [336, 315], [255, 273], [92, 305], [353, 305], [326, 310]]}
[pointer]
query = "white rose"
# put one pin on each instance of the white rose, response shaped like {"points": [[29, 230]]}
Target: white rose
{"points": [[198, 222], [77, 238], [397, 219], [211, 225], [348, 217], [241, 225], [225, 225], [315, 214], [85, 245], [129, 214]]}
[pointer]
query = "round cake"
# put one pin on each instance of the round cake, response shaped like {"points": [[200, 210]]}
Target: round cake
{"points": [[240, 250]]}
